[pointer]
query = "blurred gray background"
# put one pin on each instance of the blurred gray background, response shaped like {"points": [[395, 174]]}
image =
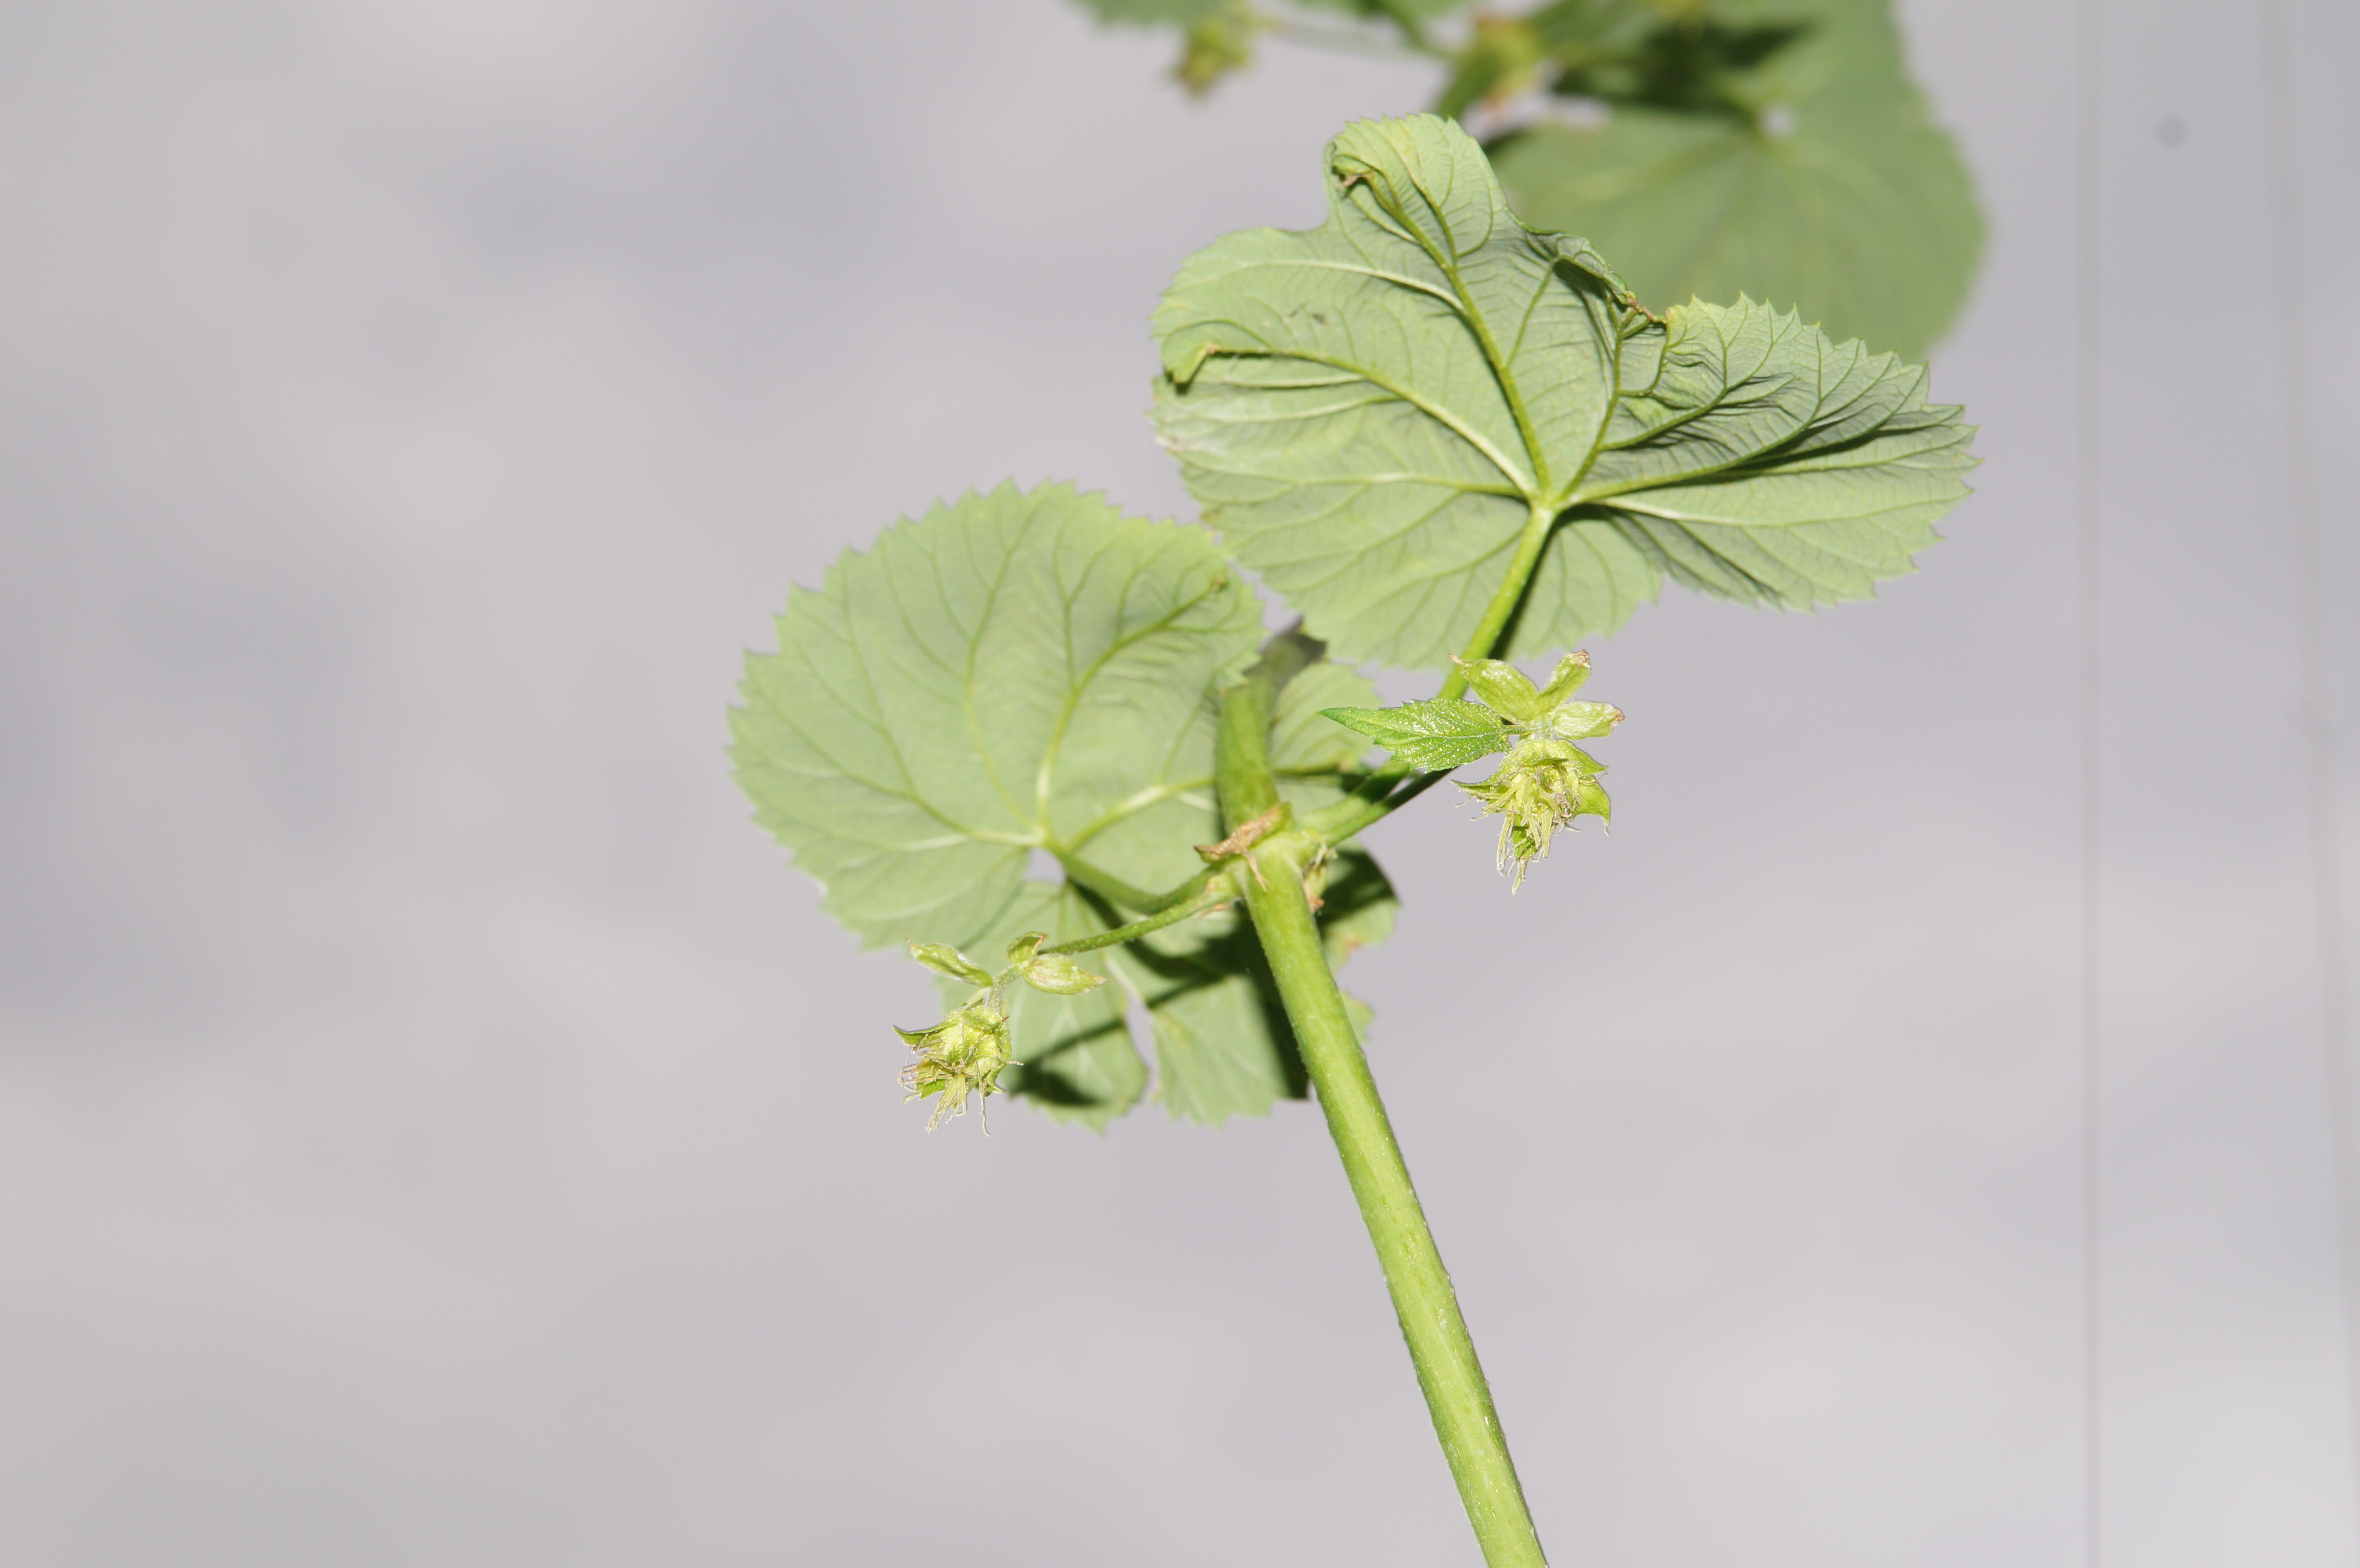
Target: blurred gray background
{"points": [[435, 1129]]}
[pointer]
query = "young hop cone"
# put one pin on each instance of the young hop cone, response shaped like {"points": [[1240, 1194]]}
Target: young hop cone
{"points": [[1542, 786], [963, 1055]]}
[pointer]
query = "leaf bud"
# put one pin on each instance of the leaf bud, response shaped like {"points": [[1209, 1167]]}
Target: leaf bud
{"points": [[944, 959], [1058, 974], [1567, 678], [1502, 688], [1582, 720]]}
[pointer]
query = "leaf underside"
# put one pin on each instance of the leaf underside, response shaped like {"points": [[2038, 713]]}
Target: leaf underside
{"points": [[1817, 180], [1024, 670], [1372, 411]]}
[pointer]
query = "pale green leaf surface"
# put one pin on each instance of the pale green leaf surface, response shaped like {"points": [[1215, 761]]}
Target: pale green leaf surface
{"points": [[1837, 198], [1001, 674], [1372, 411]]}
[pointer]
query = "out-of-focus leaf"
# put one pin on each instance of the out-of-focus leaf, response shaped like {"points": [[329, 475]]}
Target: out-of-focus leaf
{"points": [[1155, 12], [1770, 148]]}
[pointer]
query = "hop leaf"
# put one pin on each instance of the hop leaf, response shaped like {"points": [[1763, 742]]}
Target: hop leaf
{"points": [[1375, 411], [1774, 146]]}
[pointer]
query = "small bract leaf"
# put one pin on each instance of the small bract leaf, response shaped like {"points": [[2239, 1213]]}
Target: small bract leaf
{"points": [[945, 959], [1021, 950], [1430, 735], [1581, 721], [1502, 688], [1058, 974], [1571, 672], [1373, 412]]}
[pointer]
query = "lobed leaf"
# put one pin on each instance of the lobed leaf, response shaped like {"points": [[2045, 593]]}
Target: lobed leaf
{"points": [[997, 677], [1372, 411]]}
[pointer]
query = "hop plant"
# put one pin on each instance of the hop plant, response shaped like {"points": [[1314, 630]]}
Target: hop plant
{"points": [[1429, 427]]}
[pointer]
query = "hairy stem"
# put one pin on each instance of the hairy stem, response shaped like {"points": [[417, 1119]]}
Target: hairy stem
{"points": [[1212, 892], [1447, 1371]]}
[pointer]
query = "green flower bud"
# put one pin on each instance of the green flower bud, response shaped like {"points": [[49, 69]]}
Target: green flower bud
{"points": [[1571, 672], [1581, 721], [1502, 688], [963, 1055], [1057, 974], [944, 959]]}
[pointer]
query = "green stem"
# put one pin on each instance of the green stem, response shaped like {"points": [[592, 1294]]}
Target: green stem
{"points": [[1504, 599], [1212, 892], [1356, 813], [1447, 1371], [1115, 890], [1249, 707]]}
